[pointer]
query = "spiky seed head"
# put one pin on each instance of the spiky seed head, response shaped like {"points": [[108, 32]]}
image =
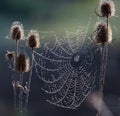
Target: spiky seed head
{"points": [[33, 39], [17, 31], [107, 8], [22, 64], [10, 55], [102, 34]]}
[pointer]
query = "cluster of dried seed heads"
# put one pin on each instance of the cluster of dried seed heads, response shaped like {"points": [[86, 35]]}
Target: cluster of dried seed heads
{"points": [[22, 64]]}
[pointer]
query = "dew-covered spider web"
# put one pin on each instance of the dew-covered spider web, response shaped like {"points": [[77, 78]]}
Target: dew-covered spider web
{"points": [[69, 68]]}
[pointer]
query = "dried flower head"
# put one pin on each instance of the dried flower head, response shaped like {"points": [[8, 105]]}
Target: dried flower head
{"points": [[33, 39], [22, 64], [10, 55], [102, 34], [107, 8], [17, 31]]}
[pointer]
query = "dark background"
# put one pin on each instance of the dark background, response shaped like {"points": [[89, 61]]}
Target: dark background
{"points": [[58, 16]]}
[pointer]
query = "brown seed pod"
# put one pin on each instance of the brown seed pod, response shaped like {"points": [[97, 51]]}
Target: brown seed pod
{"points": [[107, 8], [102, 34], [17, 31], [33, 39], [22, 64], [10, 55]]}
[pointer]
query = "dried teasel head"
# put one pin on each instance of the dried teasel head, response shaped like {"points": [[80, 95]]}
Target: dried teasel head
{"points": [[17, 31], [107, 8], [102, 34], [10, 55], [33, 39], [22, 63]]}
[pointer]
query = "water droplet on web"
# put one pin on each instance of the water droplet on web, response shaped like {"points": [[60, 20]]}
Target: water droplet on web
{"points": [[68, 68]]}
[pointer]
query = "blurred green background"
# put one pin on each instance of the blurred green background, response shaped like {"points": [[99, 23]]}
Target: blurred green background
{"points": [[57, 16]]}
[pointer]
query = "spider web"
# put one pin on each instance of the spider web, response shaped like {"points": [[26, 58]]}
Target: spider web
{"points": [[69, 68]]}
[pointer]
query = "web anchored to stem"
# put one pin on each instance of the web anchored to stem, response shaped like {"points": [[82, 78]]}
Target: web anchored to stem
{"points": [[70, 69]]}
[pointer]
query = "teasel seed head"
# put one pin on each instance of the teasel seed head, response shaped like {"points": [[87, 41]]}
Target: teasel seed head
{"points": [[102, 34], [10, 55], [22, 63], [17, 31], [33, 39], [107, 8]]}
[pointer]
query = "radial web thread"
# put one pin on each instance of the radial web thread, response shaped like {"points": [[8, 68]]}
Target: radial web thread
{"points": [[69, 69]]}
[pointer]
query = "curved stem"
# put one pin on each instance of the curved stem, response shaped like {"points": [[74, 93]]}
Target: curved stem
{"points": [[97, 13]]}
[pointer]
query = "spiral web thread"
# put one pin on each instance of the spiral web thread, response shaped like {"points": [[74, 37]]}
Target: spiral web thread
{"points": [[68, 69]]}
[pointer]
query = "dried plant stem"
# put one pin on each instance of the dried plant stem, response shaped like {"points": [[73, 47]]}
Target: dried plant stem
{"points": [[103, 71], [21, 94], [103, 67], [105, 55], [14, 80], [102, 76], [98, 114], [104, 64], [14, 93], [29, 83], [16, 48]]}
